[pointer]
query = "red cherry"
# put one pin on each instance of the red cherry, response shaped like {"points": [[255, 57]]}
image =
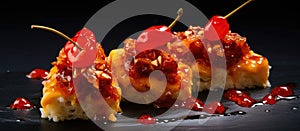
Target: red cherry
{"points": [[85, 57], [81, 50], [38, 74], [216, 28], [156, 36], [21, 103], [269, 99], [153, 37], [146, 119], [282, 90], [219, 108]]}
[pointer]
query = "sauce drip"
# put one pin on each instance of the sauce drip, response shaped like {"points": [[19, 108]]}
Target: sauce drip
{"points": [[243, 98], [146, 119], [215, 108], [21, 103], [38, 74]]}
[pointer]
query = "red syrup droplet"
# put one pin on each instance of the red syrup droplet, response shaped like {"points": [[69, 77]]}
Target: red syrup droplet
{"points": [[215, 108], [284, 91], [38, 74], [146, 119], [269, 99], [193, 103], [21, 103], [241, 98]]}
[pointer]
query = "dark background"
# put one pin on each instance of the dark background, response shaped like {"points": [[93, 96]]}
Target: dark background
{"points": [[271, 27]]}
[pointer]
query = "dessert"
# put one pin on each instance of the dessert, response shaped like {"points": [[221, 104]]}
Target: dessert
{"points": [[134, 74], [192, 50], [181, 59], [244, 67], [90, 77], [133, 66]]}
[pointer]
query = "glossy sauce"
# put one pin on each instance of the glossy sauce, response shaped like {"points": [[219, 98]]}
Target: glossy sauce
{"points": [[191, 103], [146, 119], [38, 74], [284, 91], [215, 108], [234, 46], [21, 103], [243, 98], [147, 61]]}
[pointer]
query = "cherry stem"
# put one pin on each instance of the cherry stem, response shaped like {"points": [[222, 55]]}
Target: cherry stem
{"points": [[179, 14], [58, 33], [235, 10]]}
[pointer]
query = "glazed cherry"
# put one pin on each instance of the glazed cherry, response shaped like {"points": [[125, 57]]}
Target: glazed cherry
{"points": [[85, 56], [38, 74], [153, 37], [218, 26], [146, 119], [156, 36], [81, 50], [215, 108], [21, 103], [241, 98]]}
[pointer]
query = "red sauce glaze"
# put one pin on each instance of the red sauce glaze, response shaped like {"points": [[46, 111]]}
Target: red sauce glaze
{"points": [[64, 80], [147, 61], [269, 99], [200, 52], [215, 108], [244, 99], [21, 103], [146, 119], [63, 75], [191, 103], [241, 98], [109, 92], [198, 105], [284, 90], [104, 76], [235, 48], [38, 74]]}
